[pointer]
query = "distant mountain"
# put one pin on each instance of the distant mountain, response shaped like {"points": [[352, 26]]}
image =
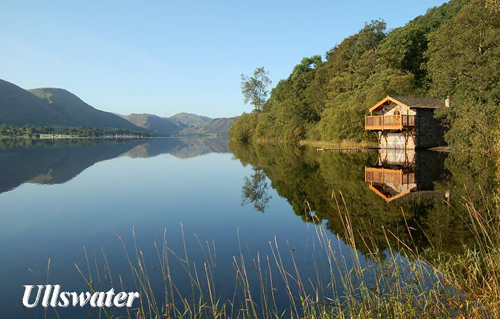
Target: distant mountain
{"points": [[219, 126], [77, 112], [161, 126], [190, 120], [58, 107], [156, 125], [52, 107]]}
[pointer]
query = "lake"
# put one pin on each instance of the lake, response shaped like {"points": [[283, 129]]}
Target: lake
{"points": [[70, 201]]}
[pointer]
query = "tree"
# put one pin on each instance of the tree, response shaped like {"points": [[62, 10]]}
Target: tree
{"points": [[255, 89], [243, 128], [465, 63], [451, 50]]}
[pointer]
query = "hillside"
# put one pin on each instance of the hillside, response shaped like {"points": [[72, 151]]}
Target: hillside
{"points": [[52, 107], [20, 107], [219, 126], [452, 50], [158, 126], [189, 120], [78, 113], [59, 108]]}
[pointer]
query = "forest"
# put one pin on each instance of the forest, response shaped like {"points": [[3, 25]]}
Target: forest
{"points": [[452, 50]]}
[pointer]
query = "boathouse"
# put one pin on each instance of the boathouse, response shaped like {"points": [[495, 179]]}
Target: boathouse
{"points": [[406, 122]]}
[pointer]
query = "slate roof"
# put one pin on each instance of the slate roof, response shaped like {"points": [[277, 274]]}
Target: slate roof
{"points": [[411, 102], [420, 102]]}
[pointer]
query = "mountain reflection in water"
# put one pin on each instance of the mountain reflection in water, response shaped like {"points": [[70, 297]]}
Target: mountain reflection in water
{"points": [[392, 199], [382, 190], [58, 161]]}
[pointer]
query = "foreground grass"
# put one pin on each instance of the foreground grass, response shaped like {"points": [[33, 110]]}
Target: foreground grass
{"points": [[402, 285]]}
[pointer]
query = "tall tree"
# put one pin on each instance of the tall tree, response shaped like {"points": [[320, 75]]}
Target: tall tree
{"points": [[255, 89]]}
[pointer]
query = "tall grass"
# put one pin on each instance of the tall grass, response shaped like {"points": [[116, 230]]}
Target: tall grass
{"points": [[404, 284]]}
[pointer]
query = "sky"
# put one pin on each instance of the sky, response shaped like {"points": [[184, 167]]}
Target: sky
{"points": [[165, 57]]}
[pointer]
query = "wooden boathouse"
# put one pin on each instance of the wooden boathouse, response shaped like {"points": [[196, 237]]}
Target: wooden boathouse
{"points": [[406, 122]]}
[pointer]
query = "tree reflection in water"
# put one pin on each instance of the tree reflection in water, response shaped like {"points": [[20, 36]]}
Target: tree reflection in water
{"points": [[428, 224], [255, 190]]}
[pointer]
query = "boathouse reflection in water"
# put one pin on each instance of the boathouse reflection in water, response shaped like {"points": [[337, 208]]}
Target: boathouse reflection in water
{"points": [[405, 174]]}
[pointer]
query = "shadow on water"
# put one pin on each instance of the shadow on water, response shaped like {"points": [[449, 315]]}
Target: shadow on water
{"points": [[58, 161], [394, 198]]}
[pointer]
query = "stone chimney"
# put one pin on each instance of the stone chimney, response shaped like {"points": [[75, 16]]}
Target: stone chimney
{"points": [[447, 102]]}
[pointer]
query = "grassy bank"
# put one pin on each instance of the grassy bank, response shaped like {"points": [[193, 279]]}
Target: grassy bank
{"points": [[344, 144], [320, 144], [400, 283]]}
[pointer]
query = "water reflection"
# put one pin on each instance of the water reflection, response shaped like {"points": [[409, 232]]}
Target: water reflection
{"points": [[392, 198], [400, 174], [255, 190], [58, 161], [205, 193]]}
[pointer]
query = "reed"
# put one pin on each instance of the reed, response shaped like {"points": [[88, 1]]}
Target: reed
{"points": [[342, 284]]}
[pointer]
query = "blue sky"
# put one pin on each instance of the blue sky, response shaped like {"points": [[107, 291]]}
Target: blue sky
{"points": [[165, 57]]}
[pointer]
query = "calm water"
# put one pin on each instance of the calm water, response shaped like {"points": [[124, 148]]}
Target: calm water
{"points": [[58, 197]]}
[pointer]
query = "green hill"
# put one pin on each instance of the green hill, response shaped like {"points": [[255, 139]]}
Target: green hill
{"points": [[52, 107], [59, 108], [20, 107], [78, 113], [190, 120], [452, 50], [156, 125], [219, 126]]}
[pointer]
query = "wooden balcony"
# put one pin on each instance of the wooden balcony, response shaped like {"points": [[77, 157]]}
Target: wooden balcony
{"points": [[389, 122], [388, 176]]}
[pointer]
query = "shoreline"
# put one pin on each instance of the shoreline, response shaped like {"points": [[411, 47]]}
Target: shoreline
{"points": [[346, 145]]}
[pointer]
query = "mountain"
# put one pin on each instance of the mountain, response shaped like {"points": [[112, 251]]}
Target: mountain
{"points": [[52, 107], [77, 112], [20, 107], [156, 125], [181, 124], [218, 126], [58, 107], [189, 120]]}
